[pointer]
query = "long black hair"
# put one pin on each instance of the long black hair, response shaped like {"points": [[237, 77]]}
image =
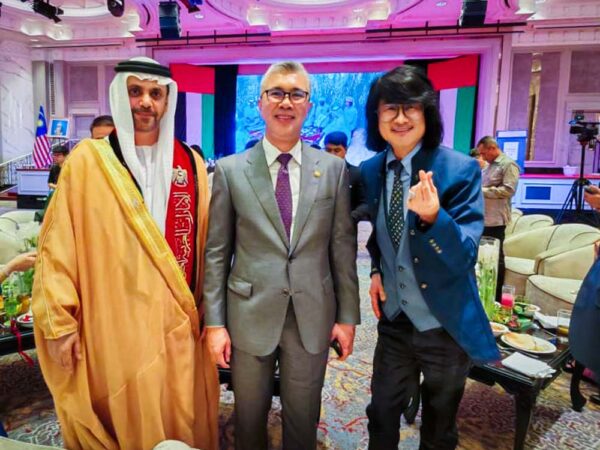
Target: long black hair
{"points": [[404, 85]]}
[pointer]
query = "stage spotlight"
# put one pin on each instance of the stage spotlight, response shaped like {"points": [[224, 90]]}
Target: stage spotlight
{"points": [[116, 7], [168, 19], [47, 10], [472, 13]]}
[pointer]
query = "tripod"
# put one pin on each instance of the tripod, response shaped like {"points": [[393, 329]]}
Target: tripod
{"points": [[574, 200]]}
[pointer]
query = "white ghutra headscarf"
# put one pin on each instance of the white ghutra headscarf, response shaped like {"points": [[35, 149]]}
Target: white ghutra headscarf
{"points": [[161, 171]]}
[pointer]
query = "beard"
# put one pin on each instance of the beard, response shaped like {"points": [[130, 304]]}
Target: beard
{"points": [[146, 122]]}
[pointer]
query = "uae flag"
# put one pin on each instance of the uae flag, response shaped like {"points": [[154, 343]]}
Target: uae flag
{"points": [[456, 80], [41, 147], [195, 113]]}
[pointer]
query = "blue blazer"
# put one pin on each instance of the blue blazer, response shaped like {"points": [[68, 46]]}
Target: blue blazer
{"points": [[584, 331], [444, 253]]}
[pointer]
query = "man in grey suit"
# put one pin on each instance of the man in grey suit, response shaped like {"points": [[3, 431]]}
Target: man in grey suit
{"points": [[280, 280]]}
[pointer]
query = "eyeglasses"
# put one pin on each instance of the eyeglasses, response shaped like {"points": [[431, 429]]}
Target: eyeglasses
{"points": [[296, 96], [389, 111]]}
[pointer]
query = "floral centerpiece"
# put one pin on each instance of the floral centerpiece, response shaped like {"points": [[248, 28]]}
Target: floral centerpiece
{"points": [[486, 271], [16, 293]]}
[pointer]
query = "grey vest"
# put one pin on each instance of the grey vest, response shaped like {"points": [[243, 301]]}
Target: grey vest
{"points": [[401, 288]]}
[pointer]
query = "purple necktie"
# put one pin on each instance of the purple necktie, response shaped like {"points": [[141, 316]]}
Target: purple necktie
{"points": [[283, 192]]}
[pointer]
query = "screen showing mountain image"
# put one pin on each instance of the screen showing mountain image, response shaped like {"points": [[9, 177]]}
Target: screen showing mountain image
{"points": [[338, 105]]}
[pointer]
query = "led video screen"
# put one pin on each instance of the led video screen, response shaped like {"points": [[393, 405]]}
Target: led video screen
{"points": [[338, 105]]}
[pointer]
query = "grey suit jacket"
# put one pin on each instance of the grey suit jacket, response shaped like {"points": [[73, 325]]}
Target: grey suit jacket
{"points": [[252, 270]]}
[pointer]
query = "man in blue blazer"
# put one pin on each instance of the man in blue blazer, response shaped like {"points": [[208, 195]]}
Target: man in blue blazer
{"points": [[584, 332], [426, 208]]}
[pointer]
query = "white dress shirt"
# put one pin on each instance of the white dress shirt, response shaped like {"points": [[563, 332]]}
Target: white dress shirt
{"points": [[271, 154], [153, 197]]}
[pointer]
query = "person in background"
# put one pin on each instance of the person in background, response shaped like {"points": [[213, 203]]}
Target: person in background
{"points": [[474, 153], [19, 263], [584, 330], [336, 144], [59, 155], [281, 280], [426, 209], [101, 127], [499, 183], [199, 151]]}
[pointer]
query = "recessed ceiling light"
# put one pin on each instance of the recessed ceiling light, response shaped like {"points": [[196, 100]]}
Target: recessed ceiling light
{"points": [[441, 4], [34, 40], [199, 16]]}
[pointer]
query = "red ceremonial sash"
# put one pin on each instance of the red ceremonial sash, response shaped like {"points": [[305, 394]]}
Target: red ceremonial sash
{"points": [[182, 209]]}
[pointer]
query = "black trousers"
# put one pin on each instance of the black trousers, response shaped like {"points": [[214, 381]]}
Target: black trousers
{"points": [[401, 354], [498, 233]]}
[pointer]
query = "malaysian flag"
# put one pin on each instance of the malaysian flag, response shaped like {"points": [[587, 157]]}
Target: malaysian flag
{"points": [[41, 146]]}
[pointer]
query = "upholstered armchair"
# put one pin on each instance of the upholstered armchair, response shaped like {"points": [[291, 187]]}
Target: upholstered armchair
{"points": [[15, 228], [21, 215], [525, 252], [521, 223], [558, 279], [10, 246]]}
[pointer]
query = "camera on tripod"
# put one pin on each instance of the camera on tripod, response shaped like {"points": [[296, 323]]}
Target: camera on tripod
{"points": [[587, 135], [585, 131]]}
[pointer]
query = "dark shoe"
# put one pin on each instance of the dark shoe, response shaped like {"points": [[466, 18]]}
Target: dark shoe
{"points": [[579, 402], [569, 366]]}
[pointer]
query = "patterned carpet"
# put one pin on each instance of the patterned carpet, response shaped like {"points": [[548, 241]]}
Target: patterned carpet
{"points": [[486, 414]]}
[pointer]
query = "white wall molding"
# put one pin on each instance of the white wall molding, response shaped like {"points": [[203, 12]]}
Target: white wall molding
{"points": [[83, 53], [14, 48], [504, 83], [562, 37], [16, 100], [563, 10]]}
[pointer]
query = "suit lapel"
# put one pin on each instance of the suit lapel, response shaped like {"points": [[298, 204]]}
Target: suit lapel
{"points": [[378, 180], [422, 161], [259, 178], [309, 184]]}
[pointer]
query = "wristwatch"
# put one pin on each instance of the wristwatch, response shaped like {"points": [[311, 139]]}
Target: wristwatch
{"points": [[374, 270]]}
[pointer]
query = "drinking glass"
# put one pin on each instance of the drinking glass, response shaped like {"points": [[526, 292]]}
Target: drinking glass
{"points": [[486, 271], [508, 295], [563, 317]]}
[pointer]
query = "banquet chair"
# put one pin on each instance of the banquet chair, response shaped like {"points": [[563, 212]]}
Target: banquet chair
{"points": [[524, 252]]}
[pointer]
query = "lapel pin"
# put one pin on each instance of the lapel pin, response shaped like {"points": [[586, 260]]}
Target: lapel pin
{"points": [[317, 173]]}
